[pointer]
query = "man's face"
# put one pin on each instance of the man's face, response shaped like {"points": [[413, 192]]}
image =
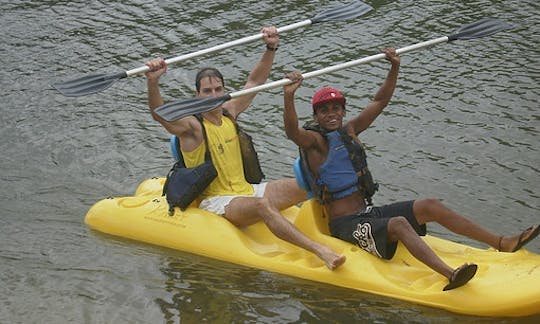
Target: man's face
{"points": [[211, 87], [330, 115]]}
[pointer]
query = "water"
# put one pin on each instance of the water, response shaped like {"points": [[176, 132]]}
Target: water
{"points": [[462, 126]]}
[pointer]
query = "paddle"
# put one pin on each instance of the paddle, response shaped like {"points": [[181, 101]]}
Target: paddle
{"points": [[90, 84], [179, 109]]}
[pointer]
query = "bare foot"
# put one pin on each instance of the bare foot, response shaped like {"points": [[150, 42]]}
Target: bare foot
{"points": [[332, 259], [337, 262], [516, 242]]}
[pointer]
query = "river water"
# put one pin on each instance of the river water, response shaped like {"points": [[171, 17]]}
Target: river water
{"points": [[463, 126]]}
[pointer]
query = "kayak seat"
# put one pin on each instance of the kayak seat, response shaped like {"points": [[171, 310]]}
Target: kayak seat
{"points": [[311, 219], [300, 178]]}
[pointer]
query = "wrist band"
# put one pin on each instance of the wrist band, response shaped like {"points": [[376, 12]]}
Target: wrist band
{"points": [[271, 49]]}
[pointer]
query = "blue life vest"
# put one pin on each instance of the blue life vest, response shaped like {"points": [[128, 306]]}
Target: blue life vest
{"points": [[343, 172], [337, 174]]}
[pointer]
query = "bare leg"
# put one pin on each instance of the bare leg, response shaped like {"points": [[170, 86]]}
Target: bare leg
{"points": [[432, 210], [243, 211], [284, 193], [399, 229]]}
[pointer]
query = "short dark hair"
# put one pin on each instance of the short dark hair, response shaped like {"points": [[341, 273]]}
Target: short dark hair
{"points": [[207, 72]]}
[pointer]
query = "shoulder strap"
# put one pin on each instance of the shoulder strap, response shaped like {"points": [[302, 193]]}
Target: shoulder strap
{"points": [[207, 155], [358, 157], [228, 114], [252, 167], [317, 190], [359, 162], [314, 126], [177, 150], [308, 176]]}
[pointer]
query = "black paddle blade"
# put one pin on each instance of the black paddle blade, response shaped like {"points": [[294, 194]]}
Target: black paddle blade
{"points": [[180, 109], [481, 28], [88, 84], [352, 10]]}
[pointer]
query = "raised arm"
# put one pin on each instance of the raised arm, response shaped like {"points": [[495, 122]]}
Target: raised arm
{"points": [[382, 97], [181, 127], [259, 74], [298, 135], [158, 67]]}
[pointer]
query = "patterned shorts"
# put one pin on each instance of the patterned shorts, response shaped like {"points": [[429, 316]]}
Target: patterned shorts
{"points": [[369, 229]]}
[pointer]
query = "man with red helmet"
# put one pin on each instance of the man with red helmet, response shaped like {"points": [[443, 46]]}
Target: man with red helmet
{"points": [[336, 163]]}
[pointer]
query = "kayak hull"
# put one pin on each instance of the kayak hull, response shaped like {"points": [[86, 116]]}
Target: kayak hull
{"points": [[506, 284]]}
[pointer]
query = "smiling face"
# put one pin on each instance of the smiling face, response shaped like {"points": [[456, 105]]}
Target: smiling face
{"points": [[330, 115]]}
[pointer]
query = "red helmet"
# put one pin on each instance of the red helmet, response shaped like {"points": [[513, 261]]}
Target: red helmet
{"points": [[325, 95]]}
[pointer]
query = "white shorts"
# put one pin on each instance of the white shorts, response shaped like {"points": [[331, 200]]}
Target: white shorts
{"points": [[217, 204]]}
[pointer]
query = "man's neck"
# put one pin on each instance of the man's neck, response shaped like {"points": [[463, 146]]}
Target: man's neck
{"points": [[214, 116]]}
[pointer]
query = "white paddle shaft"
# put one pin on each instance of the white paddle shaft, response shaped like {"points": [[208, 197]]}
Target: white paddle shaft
{"points": [[334, 68], [220, 47]]}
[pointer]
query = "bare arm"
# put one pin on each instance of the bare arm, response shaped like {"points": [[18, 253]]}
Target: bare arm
{"points": [[382, 97], [158, 67], [298, 135], [186, 128], [259, 74]]}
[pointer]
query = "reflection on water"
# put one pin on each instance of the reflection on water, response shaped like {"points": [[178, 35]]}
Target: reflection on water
{"points": [[202, 290], [463, 126]]}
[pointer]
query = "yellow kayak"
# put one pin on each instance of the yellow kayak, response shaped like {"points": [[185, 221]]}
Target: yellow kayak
{"points": [[506, 284]]}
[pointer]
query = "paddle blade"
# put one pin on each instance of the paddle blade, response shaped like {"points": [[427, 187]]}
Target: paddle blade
{"points": [[352, 10], [481, 28], [88, 84], [180, 109]]}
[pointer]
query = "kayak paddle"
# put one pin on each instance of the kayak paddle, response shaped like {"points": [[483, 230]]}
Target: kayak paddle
{"points": [[179, 109], [90, 84]]}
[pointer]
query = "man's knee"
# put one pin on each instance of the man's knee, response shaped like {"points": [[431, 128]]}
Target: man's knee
{"points": [[262, 206], [261, 202], [284, 193], [427, 206], [398, 226], [245, 211]]}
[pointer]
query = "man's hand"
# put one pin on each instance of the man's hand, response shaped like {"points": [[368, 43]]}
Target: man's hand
{"points": [[270, 36], [296, 78], [157, 66], [392, 56]]}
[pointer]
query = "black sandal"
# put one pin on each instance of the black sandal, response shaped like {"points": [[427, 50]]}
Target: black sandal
{"points": [[534, 232], [461, 276]]}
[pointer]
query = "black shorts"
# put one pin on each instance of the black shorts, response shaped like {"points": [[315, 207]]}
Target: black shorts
{"points": [[369, 229]]}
